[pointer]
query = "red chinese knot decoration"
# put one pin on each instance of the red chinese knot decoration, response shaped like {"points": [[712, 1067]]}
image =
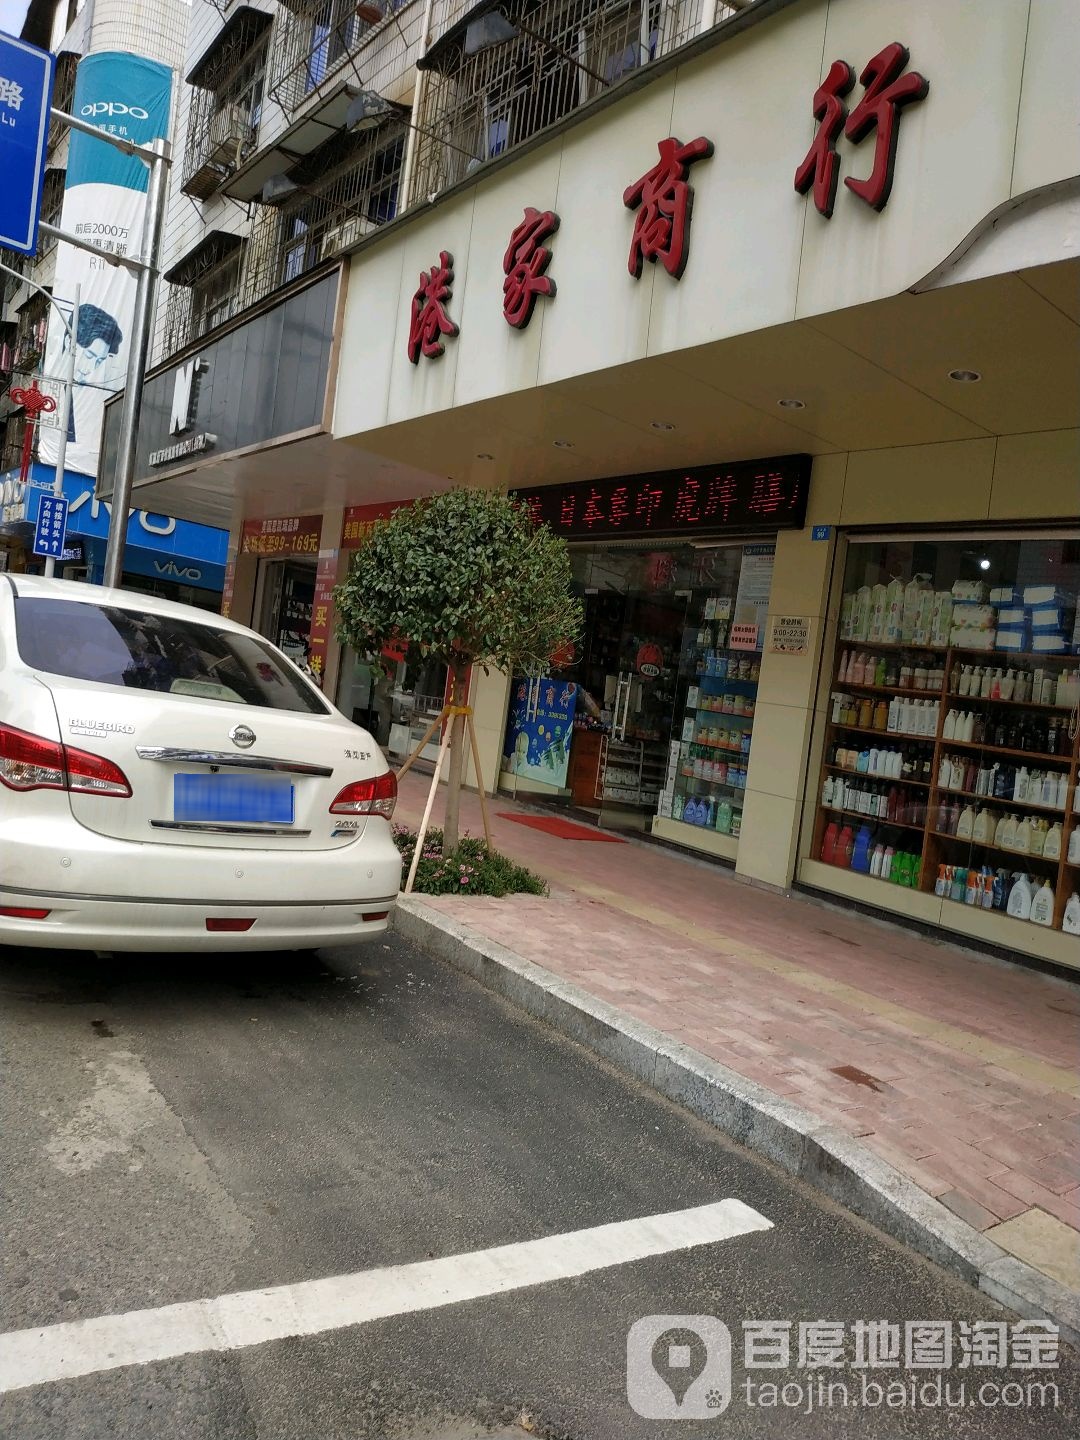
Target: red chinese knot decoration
{"points": [[663, 199], [886, 91], [35, 403], [525, 264], [428, 320]]}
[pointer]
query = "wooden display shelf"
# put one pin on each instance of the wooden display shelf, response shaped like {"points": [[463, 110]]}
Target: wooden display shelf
{"points": [[997, 849], [982, 746], [1037, 657], [883, 734], [876, 820], [875, 775], [991, 800], [1019, 704], [842, 645], [883, 690]]}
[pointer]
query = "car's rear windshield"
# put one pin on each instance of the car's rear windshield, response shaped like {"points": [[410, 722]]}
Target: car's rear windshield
{"points": [[143, 651]]}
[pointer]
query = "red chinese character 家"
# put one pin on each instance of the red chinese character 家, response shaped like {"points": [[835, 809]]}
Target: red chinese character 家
{"points": [[887, 92], [663, 199], [428, 320], [524, 265]]}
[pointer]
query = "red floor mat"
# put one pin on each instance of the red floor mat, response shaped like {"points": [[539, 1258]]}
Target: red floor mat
{"points": [[562, 829]]}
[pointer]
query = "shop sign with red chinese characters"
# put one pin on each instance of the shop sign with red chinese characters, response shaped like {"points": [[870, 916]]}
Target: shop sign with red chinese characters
{"points": [[357, 521], [747, 496], [282, 536]]}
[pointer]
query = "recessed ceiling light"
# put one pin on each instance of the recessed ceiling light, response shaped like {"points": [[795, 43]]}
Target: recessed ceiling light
{"points": [[965, 377], [792, 404], [563, 444], [984, 564], [483, 455], [661, 425]]}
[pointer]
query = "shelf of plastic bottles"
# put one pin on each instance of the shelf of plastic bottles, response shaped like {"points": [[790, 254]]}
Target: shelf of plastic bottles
{"points": [[1053, 861]]}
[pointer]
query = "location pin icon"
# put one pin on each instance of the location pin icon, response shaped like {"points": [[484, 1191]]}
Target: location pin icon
{"points": [[679, 1357]]}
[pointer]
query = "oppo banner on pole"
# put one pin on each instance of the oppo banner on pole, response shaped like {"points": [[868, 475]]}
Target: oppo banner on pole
{"points": [[104, 201]]}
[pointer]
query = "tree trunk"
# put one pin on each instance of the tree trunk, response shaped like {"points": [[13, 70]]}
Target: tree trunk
{"points": [[457, 760]]}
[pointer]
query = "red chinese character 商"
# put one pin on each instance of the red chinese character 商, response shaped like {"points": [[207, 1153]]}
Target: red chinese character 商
{"points": [[821, 167], [524, 264], [663, 198], [887, 92], [428, 320]]}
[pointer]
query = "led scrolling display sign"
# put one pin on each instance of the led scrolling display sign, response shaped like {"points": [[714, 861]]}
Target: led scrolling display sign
{"points": [[743, 497]]}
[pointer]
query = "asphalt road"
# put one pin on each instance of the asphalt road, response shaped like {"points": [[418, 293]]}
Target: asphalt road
{"points": [[178, 1127]]}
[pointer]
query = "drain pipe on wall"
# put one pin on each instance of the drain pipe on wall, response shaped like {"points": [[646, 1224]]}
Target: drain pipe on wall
{"points": [[417, 102]]}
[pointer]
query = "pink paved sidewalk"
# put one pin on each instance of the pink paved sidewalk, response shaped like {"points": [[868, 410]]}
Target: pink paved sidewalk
{"points": [[959, 1070]]}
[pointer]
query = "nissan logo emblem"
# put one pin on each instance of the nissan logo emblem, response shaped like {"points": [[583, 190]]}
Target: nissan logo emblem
{"points": [[243, 736]]}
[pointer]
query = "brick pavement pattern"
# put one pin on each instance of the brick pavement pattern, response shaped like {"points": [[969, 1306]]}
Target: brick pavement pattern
{"points": [[959, 1069]]}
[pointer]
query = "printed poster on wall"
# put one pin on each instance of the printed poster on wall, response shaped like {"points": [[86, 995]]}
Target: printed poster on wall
{"points": [[752, 597], [539, 729], [104, 202]]}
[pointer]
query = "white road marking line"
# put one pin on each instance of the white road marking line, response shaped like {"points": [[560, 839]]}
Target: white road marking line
{"points": [[252, 1317]]}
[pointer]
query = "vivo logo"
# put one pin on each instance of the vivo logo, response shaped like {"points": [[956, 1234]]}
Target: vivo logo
{"points": [[114, 107], [177, 572]]}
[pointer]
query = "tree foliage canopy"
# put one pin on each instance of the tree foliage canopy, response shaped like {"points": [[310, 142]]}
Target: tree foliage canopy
{"points": [[465, 576]]}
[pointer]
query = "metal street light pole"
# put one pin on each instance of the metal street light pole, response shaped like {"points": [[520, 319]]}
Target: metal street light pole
{"points": [[141, 325], [67, 401]]}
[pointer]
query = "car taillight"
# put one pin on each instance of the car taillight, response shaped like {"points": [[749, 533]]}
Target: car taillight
{"points": [[21, 912], [30, 762], [376, 796]]}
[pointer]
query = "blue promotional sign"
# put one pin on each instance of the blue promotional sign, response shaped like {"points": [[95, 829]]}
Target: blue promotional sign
{"points": [[539, 729], [51, 528], [26, 82]]}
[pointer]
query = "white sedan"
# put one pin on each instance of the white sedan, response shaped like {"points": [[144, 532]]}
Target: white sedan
{"points": [[170, 781]]}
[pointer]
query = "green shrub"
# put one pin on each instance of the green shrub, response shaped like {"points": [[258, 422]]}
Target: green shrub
{"points": [[470, 869]]}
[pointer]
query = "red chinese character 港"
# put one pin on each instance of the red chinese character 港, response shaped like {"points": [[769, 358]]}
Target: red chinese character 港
{"points": [[722, 494], [887, 92], [524, 264], [663, 198], [428, 320], [821, 167]]}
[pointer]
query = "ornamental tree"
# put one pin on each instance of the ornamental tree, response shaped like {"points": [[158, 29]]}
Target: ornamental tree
{"points": [[468, 578]]}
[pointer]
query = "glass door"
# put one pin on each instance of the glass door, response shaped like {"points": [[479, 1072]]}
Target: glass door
{"points": [[640, 689]]}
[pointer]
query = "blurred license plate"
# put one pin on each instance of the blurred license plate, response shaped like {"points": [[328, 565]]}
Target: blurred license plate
{"points": [[254, 799]]}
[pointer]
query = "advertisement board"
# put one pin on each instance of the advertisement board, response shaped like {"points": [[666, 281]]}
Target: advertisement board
{"points": [[104, 203], [539, 729]]}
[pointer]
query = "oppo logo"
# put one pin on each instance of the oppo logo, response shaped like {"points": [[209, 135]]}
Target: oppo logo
{"points": [[113, 107]]}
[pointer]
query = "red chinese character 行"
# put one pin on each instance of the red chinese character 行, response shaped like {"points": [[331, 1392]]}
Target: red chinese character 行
{"points": [[524, 266], [821, 167], [721, 495], [887, 92], [686, 508], [428, 319], [618, 505], [663, 198]]}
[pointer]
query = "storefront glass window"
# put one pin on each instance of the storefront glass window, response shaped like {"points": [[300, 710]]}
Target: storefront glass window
{"points": [[950, 759], [649, 723]]}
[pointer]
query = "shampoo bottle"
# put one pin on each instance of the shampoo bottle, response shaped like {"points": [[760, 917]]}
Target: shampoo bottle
{"points": [[1042, 906]]}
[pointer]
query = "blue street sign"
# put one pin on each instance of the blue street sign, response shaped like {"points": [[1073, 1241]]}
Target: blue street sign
{"points": [[51, 527], [820, 532], [26, 82]]}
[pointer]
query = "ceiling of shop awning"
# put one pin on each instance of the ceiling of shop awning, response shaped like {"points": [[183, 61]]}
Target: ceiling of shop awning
{"points": [[870, 377]]}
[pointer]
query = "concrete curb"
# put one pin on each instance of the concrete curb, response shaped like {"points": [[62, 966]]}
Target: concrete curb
{"points": [[799, 1142]]}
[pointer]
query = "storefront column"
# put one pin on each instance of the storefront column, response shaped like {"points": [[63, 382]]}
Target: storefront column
{"points": [[789, 687]]}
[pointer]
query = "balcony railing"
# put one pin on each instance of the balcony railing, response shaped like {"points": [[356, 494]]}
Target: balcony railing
{"points": [[565, 53], [318, 42]]}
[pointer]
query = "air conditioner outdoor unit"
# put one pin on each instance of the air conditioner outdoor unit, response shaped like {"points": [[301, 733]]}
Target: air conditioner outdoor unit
{"points": [[229, 132], [340, 237]]}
